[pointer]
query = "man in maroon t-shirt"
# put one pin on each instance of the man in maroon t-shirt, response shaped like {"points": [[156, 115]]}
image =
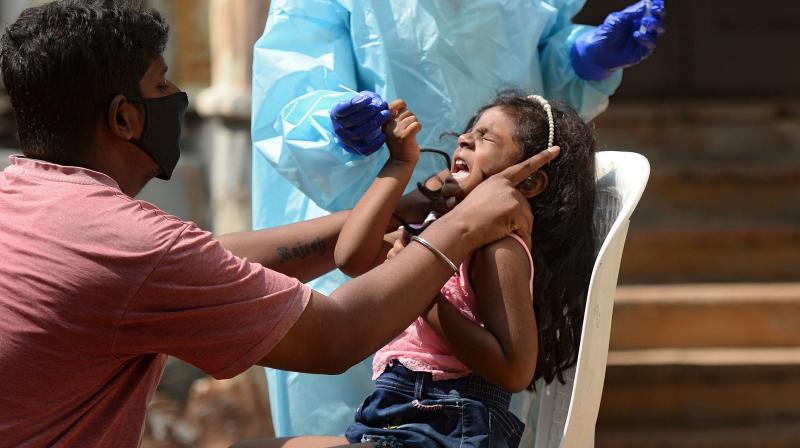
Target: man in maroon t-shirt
{"points": [[96, 288]]}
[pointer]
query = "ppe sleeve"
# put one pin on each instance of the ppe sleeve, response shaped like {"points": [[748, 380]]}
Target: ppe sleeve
{"points": [[298, 64], [590, 98]]}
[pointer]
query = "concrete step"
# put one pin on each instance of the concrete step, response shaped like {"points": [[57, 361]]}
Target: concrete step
{"points": [[713, 387], [721, 193], [701, 253], [747, 435], [703, 365], [696, 133], [757, 315], [721, 203]]}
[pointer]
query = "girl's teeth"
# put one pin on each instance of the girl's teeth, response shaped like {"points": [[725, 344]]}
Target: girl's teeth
{"points": [[460, 174]]}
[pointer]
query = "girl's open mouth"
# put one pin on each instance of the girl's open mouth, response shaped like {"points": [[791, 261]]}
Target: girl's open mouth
{"points": [[460, 169]]}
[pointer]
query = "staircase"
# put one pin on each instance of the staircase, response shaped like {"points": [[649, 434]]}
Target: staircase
{"points": [[703, 365], [723, 200], [705, 343]]}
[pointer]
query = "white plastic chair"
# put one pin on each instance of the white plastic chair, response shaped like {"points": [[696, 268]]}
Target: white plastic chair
{"points": [[568, 412]]}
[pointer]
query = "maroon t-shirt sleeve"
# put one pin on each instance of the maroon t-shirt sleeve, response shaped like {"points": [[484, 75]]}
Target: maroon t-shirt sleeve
{"points": [[209, 308]]}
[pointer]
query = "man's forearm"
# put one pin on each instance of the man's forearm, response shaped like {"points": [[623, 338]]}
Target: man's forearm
{"points": [[303, 250], [367, 312]]}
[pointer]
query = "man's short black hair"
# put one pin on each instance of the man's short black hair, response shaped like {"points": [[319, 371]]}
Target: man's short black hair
{"points": [[64, 61]]}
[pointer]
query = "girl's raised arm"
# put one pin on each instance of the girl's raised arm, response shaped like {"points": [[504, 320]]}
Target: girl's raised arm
{"points": [[361, 246]]}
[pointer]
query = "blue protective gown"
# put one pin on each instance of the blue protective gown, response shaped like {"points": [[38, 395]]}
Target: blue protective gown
{"points": [[445, 58]]}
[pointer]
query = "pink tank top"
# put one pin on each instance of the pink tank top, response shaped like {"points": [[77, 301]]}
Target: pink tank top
{"points": [[419, 348]]}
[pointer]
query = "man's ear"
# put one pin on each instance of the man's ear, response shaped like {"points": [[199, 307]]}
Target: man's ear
{"points": [[534, 184], [124, 118]]}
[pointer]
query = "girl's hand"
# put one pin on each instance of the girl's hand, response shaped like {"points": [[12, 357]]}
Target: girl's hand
{"points": [[399, 244], [401, 133]]}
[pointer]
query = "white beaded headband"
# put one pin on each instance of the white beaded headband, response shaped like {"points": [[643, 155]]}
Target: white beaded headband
{"points": [[546, 105]]}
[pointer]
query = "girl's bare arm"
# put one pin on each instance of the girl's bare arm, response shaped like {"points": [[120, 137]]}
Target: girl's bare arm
{"points": [[504, 350], [361, 244]]}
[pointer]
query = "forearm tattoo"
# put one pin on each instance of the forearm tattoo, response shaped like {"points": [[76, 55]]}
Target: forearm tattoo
{"points": [[301, 250]]}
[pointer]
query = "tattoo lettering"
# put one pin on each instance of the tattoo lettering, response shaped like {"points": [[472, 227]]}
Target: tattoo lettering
{"points": [[302, 250]]}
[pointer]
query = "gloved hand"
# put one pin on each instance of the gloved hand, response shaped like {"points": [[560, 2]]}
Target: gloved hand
{"points": [[625, 38], [357, 122]]}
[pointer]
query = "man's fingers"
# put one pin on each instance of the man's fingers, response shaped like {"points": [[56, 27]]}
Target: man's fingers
{"points": [[517, 173], [523, 225], [436, 181], [444, 205]]}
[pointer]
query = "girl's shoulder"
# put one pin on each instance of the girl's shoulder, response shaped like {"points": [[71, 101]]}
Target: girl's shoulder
{"points": [[512, 245], [509, 254]]}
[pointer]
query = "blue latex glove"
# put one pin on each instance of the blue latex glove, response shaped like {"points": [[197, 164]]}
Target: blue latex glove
{"points": [[357, 122], [625, 38]]}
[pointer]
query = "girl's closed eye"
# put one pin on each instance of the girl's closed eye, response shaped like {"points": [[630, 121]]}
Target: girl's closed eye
{"points": [[482, 133]]}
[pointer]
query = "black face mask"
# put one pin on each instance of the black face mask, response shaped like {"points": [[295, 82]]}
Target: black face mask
{"points": [[162, 130]]}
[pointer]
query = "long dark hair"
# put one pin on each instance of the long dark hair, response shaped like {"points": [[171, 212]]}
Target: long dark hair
{"points": [[563, 247]]}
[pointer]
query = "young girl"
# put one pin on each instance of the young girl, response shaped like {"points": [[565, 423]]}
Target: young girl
{"points": [[447, 379]]}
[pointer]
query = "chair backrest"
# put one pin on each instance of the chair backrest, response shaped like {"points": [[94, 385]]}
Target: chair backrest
{"points": [[568, 412]]}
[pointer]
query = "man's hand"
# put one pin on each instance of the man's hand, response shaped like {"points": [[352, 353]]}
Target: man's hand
{"points": [[415, 206], [495, 208]]}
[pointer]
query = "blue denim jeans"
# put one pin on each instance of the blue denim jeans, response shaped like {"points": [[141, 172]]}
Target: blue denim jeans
{"points": [[409, 409]]}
